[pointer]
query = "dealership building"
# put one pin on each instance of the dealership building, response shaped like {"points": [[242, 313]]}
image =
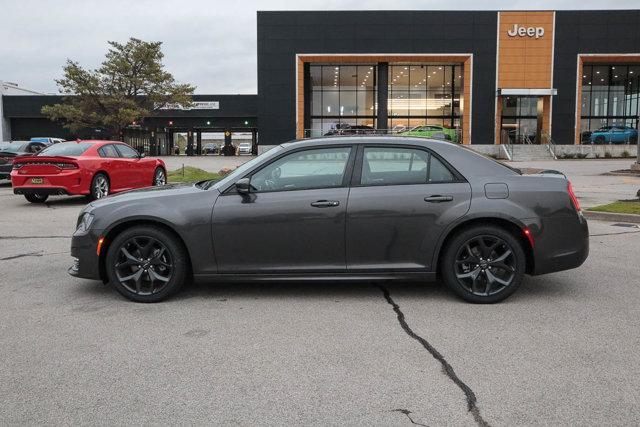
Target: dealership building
{"points": [[487, 77]]}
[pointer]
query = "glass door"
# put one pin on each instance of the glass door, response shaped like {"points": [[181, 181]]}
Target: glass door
{"points": [[521, 120]]}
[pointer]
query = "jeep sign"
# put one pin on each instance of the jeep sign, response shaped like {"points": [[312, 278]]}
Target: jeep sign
{"points": [[518, 31]]}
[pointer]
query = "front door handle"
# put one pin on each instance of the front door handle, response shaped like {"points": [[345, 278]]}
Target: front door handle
{"points": [[438, 199], [325, 203]]}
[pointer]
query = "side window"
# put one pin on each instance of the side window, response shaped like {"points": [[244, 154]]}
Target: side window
{"points": [[108, 151], [394, 166], [127, 152], [438, 172], [303, 170], [399, 166]]}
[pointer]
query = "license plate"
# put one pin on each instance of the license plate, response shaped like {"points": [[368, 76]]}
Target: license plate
{"points": [[36, 180]]}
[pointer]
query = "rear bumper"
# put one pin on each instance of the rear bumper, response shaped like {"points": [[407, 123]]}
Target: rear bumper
{"points": [[72, 182], [51, 191], [562, 243], [86, 263]]}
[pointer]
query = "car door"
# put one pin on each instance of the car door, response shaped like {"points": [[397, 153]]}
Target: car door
{"points": [[132, 168], [110, 163], [401, 200], [293, 221]]}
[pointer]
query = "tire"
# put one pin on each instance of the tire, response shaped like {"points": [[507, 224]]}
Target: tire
{"points": [[599, 139], [633, 139], [157, 279], [36, 197], [98, 189], [471, 275], [157, 174]]}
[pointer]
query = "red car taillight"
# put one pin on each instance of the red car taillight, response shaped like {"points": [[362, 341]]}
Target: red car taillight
{"points": [[574, 199], [66, 165]]}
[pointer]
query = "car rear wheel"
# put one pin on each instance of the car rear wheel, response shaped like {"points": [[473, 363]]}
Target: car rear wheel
{"points": [[36, 197], [159, 177], [599, 139], [99, 186], [146, 264], [483, 264]]}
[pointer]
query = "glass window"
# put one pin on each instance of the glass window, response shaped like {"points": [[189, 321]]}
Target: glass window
{"points": [[348, 77], [127, 152], [394, 166], [108, 151], [424, 92], [303, 170], [342, 96], [438, 172], [66, 149]]}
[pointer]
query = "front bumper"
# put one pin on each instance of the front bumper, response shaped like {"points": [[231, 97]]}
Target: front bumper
{"points": [[86, 263]]}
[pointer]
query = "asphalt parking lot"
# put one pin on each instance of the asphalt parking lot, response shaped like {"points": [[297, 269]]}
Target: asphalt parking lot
{"points": [[562, 350]]}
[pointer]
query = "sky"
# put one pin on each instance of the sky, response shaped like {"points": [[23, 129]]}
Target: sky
{"points": [[210, 44]]}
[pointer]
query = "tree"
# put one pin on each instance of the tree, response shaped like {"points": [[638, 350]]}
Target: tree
{"points": [[130, 84]]}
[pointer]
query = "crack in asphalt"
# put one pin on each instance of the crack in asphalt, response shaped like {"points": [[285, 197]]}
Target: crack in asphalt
{"points": [[447, 369], [37, 254], [34, 254], [32, 237], [408, 414]]}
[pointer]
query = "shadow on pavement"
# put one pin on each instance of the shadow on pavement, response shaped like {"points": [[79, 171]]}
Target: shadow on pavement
{"points": [[531, 289]]}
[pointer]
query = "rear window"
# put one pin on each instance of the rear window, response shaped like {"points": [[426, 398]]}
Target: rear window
{"points": [[66, 149]]}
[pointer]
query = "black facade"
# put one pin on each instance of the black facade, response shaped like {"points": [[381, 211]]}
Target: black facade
{"points": [[282, 35], [235, 113], [586, 32]]}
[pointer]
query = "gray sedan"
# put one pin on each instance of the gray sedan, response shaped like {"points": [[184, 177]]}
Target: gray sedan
{"points": [[342, 208]]}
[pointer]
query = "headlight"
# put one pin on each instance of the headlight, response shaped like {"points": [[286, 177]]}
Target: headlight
{"points": [[84, 222]]}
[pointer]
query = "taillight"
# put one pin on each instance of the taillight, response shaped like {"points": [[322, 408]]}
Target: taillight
{"points": [[572, 195], [66, 165]]}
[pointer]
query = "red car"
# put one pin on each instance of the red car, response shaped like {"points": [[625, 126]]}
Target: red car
{"points": [[92, 168]]}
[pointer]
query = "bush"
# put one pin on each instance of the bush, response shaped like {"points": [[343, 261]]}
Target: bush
{"points": [[626, 154], [607, 155], [582, 155]]}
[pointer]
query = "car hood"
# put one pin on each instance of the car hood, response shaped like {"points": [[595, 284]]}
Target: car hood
{"points": [[144, 194]]}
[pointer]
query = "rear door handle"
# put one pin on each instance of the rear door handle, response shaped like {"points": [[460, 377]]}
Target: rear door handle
{"points": [[325, 203], [438, 199]]}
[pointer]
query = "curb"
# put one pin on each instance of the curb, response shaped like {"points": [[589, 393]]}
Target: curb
{"points": [[610, 216]]}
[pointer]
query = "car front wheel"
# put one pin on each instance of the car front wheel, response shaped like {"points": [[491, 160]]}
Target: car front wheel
{"points": [[483, 264], [146, 264]]}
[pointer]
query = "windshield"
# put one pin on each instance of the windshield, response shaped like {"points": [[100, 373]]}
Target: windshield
{"points": [[13, 148], [66, 149], [242, 169]]}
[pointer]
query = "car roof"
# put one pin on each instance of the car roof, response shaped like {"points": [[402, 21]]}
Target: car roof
{"points": [[370, 139]]}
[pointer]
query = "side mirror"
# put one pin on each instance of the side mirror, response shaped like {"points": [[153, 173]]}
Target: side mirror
{"points": [[243, 186], [142, 155]]}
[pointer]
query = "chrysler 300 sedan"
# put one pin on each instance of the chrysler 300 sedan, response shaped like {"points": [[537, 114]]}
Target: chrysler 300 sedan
{"points": [[342, 208]]}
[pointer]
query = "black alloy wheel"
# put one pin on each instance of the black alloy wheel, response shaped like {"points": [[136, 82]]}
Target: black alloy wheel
{"points": [[146, 264], [484, 264]]}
